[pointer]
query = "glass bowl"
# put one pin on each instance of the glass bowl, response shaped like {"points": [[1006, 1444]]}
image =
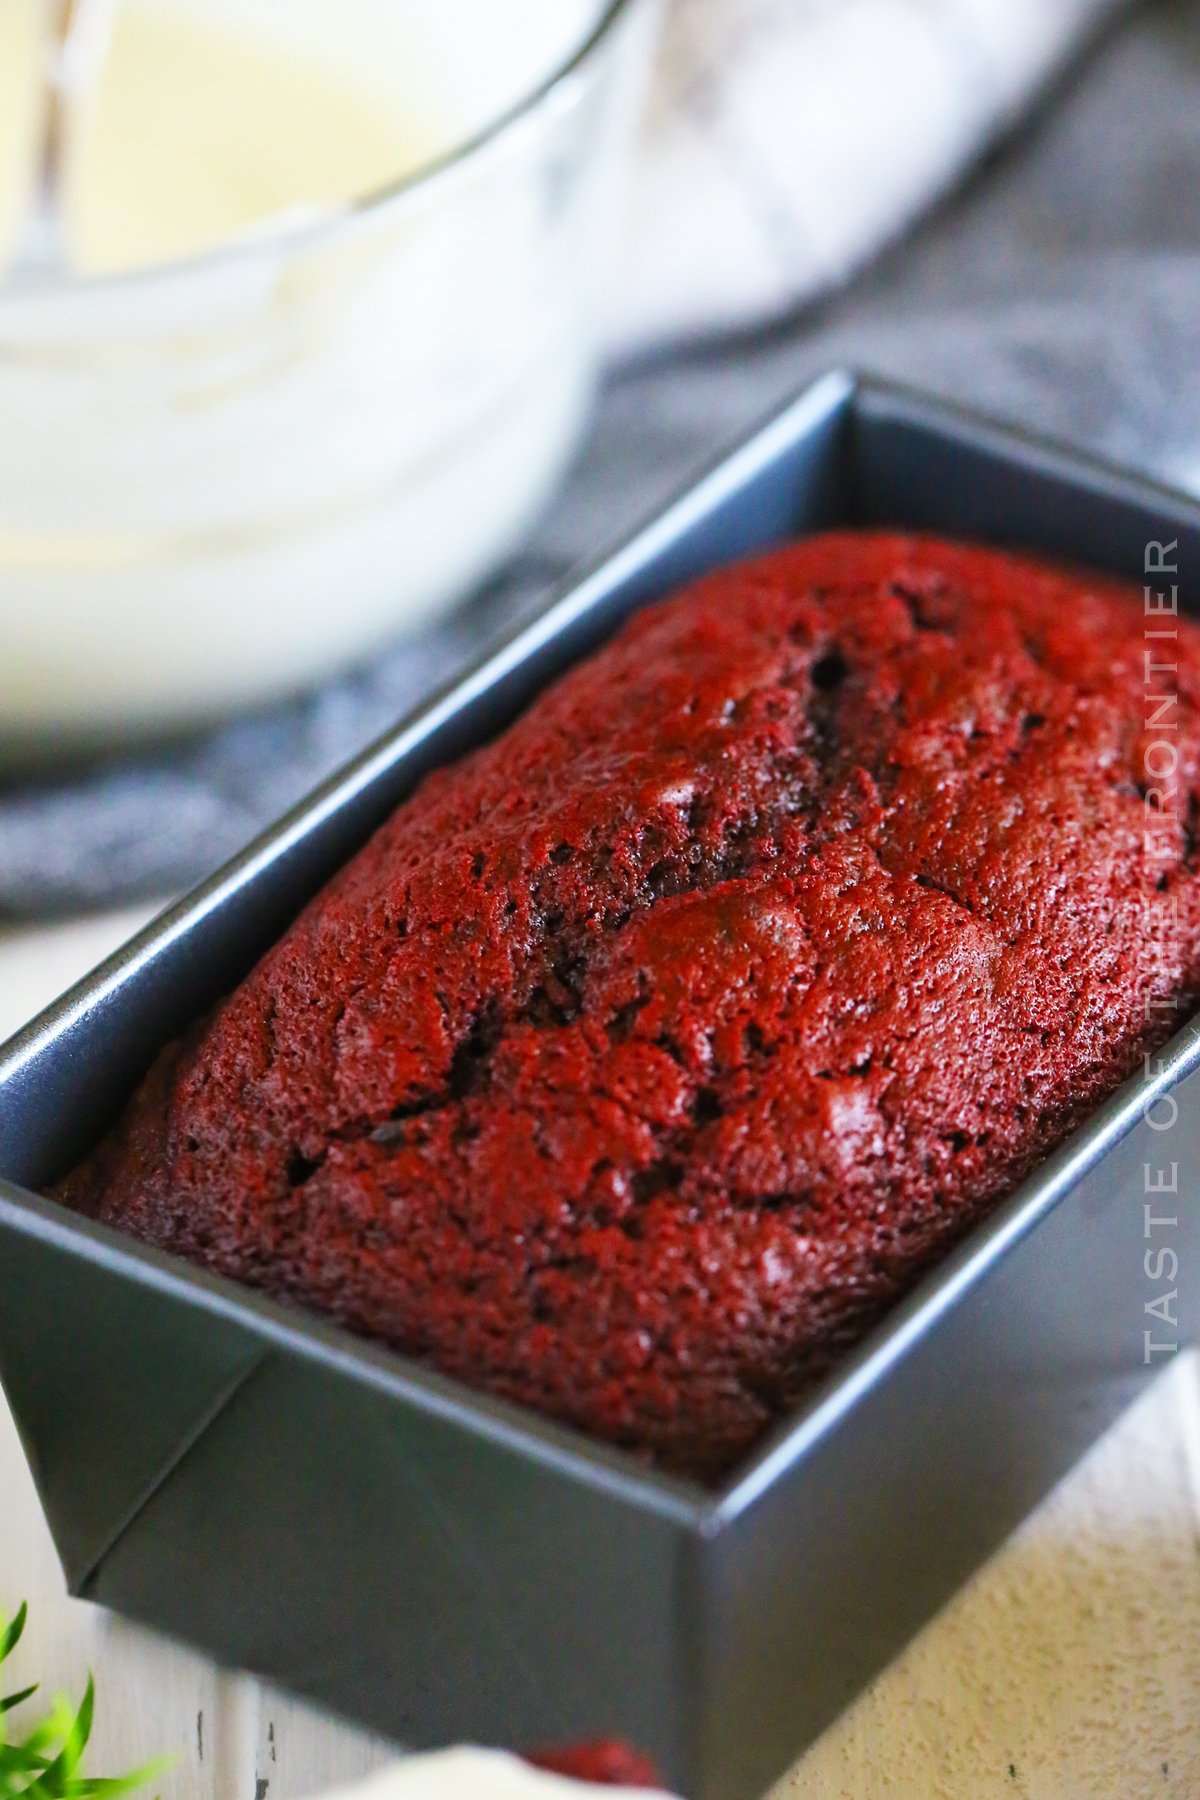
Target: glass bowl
{"points": [[224, 478]]}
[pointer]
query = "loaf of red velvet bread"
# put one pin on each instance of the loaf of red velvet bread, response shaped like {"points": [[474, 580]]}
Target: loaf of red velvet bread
{"points": [[648, 1054]]}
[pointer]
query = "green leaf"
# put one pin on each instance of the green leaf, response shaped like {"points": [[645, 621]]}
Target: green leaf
{"points": [[10, 1636], [109, 1786], [74, 1736], [11, 1700], [47, 1763]]}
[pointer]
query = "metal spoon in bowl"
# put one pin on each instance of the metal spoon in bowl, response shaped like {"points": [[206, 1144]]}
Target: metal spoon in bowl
{"points": [[75, 39]]}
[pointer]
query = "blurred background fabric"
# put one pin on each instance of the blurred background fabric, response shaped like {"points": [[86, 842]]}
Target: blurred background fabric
{"points": [[789, 139], [1056, 285]]}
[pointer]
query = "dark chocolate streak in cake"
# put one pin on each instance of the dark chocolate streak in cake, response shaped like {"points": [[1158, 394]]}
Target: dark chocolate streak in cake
{"points": [[646, 1056]]}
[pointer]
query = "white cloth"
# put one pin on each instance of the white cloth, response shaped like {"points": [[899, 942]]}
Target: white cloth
{"points": [[789, 140], [466, 1773]]}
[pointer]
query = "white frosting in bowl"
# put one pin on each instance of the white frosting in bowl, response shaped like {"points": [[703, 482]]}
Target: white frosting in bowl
{"points": [[224, 477]]}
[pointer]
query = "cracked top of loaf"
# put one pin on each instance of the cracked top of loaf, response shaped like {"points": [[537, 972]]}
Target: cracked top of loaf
{"points": [[646, 1055]]}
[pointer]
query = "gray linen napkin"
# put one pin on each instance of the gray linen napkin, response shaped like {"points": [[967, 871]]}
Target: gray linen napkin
{"points": [[1060, 289]]}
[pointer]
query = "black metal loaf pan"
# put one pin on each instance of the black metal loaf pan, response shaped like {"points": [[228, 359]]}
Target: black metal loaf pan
{"points": [[443, 1566]]}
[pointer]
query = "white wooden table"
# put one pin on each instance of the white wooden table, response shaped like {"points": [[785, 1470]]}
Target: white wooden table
{"points": [[1070, 1668]]}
